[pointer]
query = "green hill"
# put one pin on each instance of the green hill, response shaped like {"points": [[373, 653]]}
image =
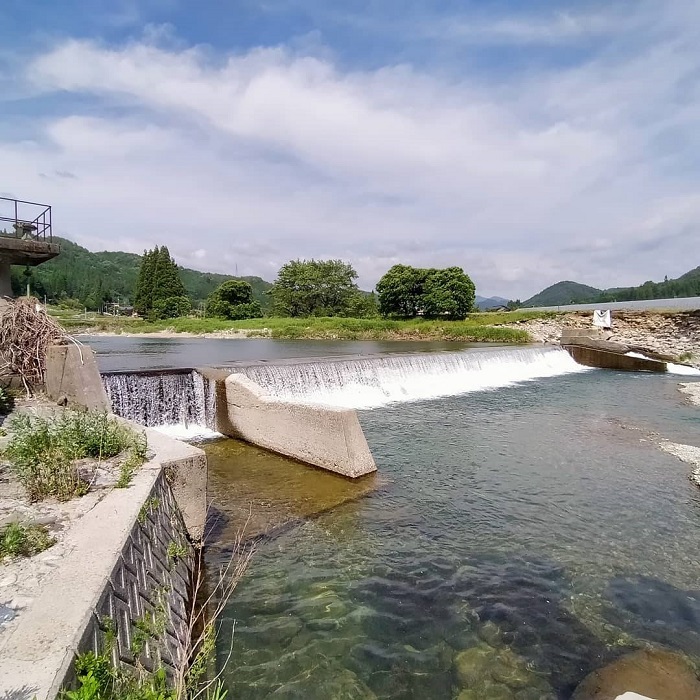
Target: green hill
{"points": [[563, 293], [96, 278]]}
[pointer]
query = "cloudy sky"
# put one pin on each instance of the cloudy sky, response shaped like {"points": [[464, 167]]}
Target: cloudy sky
{"points": [[527, 142]]}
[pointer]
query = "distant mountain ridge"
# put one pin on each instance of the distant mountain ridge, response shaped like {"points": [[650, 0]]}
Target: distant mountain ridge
{"points": [[95, 278], [486, 303], [567, 292]]}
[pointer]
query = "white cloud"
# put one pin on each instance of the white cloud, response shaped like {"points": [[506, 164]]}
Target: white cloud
{"points": [[259, 157]]}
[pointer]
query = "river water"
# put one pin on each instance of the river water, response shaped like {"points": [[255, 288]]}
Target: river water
{"points": [[514, 539]]}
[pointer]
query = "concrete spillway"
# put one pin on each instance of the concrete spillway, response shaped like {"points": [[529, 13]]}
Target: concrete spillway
{"points": [[377, 381]]}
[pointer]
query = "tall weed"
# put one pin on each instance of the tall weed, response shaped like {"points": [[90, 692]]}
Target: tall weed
{"points": [[43, 450]]}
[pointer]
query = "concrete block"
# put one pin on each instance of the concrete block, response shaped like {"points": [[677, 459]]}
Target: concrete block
{"points": [[71, 371], [324, 436]]}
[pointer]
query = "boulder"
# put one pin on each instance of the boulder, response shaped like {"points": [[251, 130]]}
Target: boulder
{"points": [[652, 673]]}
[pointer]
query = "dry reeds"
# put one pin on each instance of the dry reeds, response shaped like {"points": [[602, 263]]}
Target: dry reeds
{"points": [[26, 331]]}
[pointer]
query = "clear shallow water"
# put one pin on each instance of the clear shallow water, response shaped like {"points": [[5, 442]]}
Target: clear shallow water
{"points": [[524, 537]]}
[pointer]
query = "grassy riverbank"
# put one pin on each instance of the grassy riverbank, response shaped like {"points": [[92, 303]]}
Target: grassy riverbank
{"points": [[479, 327]]}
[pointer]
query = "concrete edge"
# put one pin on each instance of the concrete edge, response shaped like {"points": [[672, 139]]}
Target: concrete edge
{"points": [[42, 647]]}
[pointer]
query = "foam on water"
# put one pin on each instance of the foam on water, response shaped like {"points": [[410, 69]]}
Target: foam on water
{"points": [[671, 367], [374, 382], [189, 432]]}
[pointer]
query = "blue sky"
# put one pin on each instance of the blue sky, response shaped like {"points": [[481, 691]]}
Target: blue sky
{"points": [[526, 142]]}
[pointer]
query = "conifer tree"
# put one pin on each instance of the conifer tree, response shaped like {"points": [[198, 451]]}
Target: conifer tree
{"points": [[143, 297]]}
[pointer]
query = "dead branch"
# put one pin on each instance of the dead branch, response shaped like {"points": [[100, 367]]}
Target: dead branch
{"points": [[26, 331]]}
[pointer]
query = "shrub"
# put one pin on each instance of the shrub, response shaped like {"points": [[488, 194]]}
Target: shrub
{"points": [[172, 307], [43, 451], [17, 540]]}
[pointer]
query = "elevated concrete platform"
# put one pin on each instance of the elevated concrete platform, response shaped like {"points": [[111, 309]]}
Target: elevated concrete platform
{"points": [[18, 251]]}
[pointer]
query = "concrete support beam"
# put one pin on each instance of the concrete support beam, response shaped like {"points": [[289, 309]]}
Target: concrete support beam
{"points": [[5, 280], [324, 436]]}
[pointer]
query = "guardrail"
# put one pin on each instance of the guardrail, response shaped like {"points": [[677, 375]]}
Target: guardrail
{"points": [[30, 220]]}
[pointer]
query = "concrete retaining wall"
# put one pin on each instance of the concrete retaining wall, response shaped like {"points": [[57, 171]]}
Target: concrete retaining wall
{"points": [[323, 436], [119, 571]]}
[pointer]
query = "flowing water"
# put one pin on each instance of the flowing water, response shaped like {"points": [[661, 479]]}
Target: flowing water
{"points": [[523, 537], [523, 530]]}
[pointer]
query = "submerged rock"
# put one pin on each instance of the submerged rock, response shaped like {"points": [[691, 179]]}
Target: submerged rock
{"points": [[339, 684], [658, 674], [483, 665]]}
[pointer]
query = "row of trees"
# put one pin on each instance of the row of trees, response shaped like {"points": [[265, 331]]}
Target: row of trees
{"points": [[310, 288]]}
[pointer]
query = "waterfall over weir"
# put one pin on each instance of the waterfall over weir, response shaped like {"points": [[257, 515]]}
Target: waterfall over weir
{"points": [[181, 398], [377, 381]]}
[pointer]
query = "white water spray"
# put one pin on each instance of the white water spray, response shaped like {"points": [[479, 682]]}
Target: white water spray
{"points": [[373, 382]]}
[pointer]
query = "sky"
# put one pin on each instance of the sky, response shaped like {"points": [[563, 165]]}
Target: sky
{"points": [[526, 142]]}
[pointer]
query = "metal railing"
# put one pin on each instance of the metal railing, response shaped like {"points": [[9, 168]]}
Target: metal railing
{"points": [[31, 221]]}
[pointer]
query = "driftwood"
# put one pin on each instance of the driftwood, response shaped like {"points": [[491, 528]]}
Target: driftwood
{"points": [[26, 331]]}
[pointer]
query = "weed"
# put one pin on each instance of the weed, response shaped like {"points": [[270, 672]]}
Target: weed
{"points": [[176, 552], [152, 503], [17, 540], [685, 357], [43, 451]]}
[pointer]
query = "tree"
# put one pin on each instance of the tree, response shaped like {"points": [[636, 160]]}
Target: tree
{"points": [[400, 291], [448, 292], [407, 291], [159, 290], [143, 296], [314, 288], [172, 307], [233, 300]]}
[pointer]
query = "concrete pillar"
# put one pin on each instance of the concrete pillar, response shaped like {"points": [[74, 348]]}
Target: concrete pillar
{"points": [[5, 281]]}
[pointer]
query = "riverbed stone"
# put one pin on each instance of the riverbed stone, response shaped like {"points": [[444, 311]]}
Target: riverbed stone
{"points": [[487, 690], [655, 673], [325, 682]]}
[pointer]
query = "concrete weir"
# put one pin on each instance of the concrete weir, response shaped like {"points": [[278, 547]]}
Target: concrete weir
{"points": [[324, 436]]}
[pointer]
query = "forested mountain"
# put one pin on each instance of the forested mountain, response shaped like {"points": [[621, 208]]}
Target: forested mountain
{"points": [[563, 293], [97, 278], [687, 285]]}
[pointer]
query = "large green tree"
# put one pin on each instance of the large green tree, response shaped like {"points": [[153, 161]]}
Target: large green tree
{"points": [[314, 288], [400, 291], [449, 292], [406, 291], [233, 300]]}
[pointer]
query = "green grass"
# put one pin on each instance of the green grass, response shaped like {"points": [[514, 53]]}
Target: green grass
{"points": [[17, 540], [42, 451], [478, 327]]}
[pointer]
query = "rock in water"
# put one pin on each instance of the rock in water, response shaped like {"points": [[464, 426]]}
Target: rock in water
{"points": [[658, 674]]}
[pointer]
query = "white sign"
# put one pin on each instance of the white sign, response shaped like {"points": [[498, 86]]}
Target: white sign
{"points": [[602, 319]]}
